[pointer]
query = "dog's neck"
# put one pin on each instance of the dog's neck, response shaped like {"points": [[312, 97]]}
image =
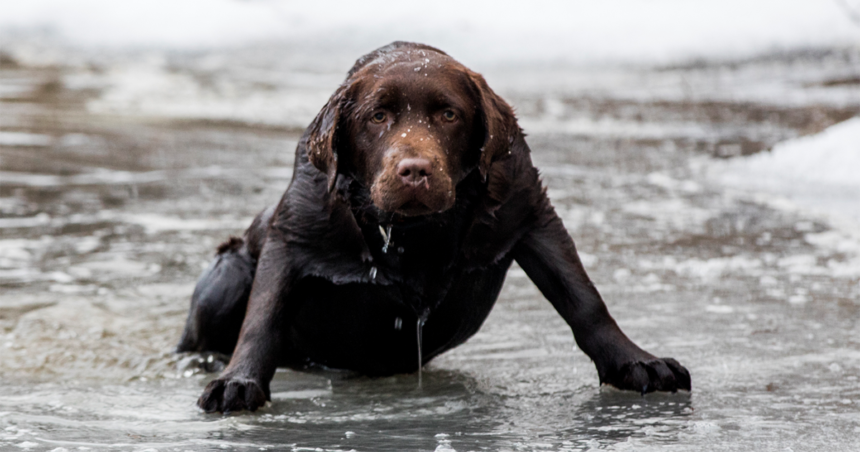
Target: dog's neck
{"points": [[414, 252]]}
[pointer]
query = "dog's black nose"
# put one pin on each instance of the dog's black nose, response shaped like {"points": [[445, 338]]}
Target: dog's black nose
{"points": [[414, 171]]}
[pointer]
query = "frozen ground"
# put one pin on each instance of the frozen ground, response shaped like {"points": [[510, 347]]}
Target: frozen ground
{"points": [[714, 202]]}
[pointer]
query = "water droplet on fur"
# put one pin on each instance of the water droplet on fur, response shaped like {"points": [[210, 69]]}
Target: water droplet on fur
{"points": [[386, 237], [403, 135]]}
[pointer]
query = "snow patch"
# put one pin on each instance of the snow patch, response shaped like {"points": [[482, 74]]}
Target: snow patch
{"points": [[155, 223], [819, 172], [817, 175], [675, 213], [24, 139], [705, 269]]}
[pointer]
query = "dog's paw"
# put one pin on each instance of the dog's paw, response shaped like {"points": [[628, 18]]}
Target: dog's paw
{"points": [[232, 394], [657, 374]]}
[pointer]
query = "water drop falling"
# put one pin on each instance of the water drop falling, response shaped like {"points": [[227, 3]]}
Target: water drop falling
{"points": [[373, 273], [398, 323], [419, 329]]}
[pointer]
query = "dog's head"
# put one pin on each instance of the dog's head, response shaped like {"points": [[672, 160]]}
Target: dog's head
{"points": [[409, 123]]}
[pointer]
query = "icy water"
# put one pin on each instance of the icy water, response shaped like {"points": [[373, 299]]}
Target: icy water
{"points": [[118, 177]]}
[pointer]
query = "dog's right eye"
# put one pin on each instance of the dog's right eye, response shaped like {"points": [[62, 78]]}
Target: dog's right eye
{"points": [[378, 118]]}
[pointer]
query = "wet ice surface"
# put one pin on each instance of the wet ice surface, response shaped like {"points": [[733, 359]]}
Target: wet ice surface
{"points": [[112, 201]]}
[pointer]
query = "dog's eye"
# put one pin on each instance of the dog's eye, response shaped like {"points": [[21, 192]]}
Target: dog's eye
{"points": [[449, 115], [378, 117]]}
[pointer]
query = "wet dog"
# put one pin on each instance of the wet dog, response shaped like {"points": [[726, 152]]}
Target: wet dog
{"points": [[413, 192]]}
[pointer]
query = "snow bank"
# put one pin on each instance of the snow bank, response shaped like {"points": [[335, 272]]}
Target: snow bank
{"points": [[474, 31], [819, 172]]}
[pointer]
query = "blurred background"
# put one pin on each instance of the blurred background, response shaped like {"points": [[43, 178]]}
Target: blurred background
{"points": [[704, 156]]}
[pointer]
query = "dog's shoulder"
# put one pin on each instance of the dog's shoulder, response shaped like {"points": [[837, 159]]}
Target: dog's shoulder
{"points": [[319, 228], [515, 201]]}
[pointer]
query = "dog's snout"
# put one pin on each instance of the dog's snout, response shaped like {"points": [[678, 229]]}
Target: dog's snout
{"points": [[414, 171]]}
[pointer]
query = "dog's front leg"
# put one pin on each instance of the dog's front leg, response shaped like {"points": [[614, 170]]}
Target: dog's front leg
{"points": [[244, 384], [549, 258]]}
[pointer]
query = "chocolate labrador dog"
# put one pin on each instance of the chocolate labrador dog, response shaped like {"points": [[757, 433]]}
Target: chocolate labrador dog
{"points": [[413, 192]]}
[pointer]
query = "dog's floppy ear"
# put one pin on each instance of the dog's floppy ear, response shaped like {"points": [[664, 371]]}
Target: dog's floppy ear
{"points": [[322, 135], [499, 122]]}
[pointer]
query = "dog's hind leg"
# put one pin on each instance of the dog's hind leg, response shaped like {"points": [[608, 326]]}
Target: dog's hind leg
{"points": [[219, 301], [221, 295]]}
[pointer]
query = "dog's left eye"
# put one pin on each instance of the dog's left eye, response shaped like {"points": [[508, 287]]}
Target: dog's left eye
{"points": [[449, 115], [378, 118]]}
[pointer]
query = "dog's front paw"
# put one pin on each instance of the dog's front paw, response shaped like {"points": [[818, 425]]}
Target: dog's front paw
{"points": [[656, 374], [233, 394]]}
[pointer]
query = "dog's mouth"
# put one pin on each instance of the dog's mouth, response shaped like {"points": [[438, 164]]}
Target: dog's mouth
{"points": [[413, 208]]}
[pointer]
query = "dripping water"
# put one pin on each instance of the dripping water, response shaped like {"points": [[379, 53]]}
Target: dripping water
{"points": [[419, 329]]}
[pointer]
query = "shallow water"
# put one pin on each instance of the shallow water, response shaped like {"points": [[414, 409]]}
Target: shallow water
{"points": [[111, 206]]}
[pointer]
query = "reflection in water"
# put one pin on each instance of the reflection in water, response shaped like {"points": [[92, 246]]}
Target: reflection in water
{"points": [[106, 221], [385, 413], [611, 416]]}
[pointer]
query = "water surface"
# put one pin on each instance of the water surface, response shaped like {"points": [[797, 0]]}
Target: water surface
{"points": [[114, 193]]}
